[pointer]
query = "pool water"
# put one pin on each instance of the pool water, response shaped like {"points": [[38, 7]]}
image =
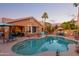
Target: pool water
{"points": [[36, 46]]}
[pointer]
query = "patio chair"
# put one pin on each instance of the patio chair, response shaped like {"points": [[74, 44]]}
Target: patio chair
{"points": [[11, 37], [1, 33]]}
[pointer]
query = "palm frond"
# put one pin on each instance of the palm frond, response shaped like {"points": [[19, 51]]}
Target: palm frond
{"points": [[45, 15], [75, 4]]}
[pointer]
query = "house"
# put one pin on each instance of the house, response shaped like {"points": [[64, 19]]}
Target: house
{"points": [[27, 25]]}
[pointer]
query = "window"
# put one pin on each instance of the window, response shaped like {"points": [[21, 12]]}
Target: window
{"points": [[33, 29]]}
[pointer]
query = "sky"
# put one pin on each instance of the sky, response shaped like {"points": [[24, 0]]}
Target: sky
{"points": [[57, 12]]}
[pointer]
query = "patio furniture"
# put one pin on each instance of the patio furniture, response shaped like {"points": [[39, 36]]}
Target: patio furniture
{"points": [[1, 33], [10, 38], [77, 48], [5, 25], [76, 34], [19, 34], [60, 33]]}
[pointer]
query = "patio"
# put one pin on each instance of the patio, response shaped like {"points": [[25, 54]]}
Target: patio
{"points": [[5, 49]]}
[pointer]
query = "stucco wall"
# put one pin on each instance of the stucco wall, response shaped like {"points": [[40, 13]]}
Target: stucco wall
{"points": [[28, 22]]}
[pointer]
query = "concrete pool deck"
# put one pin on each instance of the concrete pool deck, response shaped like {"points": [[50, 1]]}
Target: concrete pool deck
{"points": [[5, 49]]}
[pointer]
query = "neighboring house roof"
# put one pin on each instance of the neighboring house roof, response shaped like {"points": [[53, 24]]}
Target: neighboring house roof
{"points": [[6, 20], [0, 19]]}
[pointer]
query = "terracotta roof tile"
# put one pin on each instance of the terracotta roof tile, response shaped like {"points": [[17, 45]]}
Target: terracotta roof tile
{"points": [[9, 20]]}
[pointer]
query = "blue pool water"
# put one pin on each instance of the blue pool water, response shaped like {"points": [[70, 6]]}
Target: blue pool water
{"points": [[35, 46]]}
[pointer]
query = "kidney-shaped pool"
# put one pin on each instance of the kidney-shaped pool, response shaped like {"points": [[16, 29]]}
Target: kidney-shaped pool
{"points": [[35, 46]]}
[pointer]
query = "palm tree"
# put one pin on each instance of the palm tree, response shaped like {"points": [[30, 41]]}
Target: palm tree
{"points": [[44, 16], [77, 46], [75, 4]]}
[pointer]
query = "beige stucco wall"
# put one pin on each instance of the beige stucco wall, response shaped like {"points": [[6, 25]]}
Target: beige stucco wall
{"points": [[27, 23]]}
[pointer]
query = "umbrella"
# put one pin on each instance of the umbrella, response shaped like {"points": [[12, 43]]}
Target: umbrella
{"points": [[4, 25], [60, 28]]}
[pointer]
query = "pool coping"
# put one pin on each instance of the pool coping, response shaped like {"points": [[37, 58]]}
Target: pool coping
{"points": [[44, 37]]}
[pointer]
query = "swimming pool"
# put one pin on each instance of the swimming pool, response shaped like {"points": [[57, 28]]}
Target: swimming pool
{"points": [[36, 46]]}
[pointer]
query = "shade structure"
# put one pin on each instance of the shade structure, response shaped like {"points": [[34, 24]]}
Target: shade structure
{"points": [[60, 28], [5, 24]]}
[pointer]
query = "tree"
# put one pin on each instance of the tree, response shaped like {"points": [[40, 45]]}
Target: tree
{"points": [[44, 16], [48, 27], [75, 4], [69, 25], [65, 25]]}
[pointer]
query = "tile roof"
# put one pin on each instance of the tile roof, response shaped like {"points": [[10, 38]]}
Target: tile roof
{"points": [[9, 20]]}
